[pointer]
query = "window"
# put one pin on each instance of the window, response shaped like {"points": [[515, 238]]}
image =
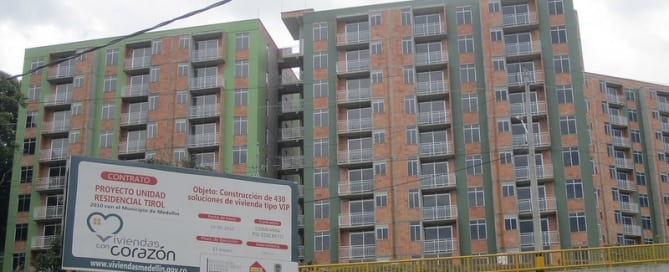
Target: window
{"points": [[106, 138], [467, 73], [321, 178], [375, 47], [414, 199], [412, 167], [414, 231], [153, 102], [31, 119], [108, 111], [645, 222], [666, 199], [567, 125], [34, 92], [321, 147], [21, 232], [111, 57], [632, 115], [377, 77], [477, 229], [78, 81], [574, 188], [508, 189], [375, 19], [470, 103], [154, 74], [381, 199], [109, 84], [35, 63], [505, 157], [407, 74], [321, 209], [29, 145], [378, 106], [18, 261], [474, 164], [475, 196], [74, 136], [466, 44], [184, 42], [76, 108], [322, 241], [405, 15], [180, 126], [409, 104], [565, 94], [382, 232], [412, 135], [320, 60], [501, 94], [577, 222], [472, 133], [561, 64], [320, 31], [241, 41], [630, 95], [643, 200], [503, 125], [495, 34], [26, 174], [182, 69], [510, 223], [379, 168], [555, 7], [570, 156], [241, 97], [558, 34], [320, 88], [407, 45], [636, 136], [464, 15], [151, 130], [638, 157], [240, 125], [24, 203], [321, 118], [664, 178], [241, 68], [182, 97], [239, 155], [379, 136], [494, 5], [498, 63]]}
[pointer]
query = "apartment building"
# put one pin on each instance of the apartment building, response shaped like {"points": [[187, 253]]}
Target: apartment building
{"points": [[192, 97]]}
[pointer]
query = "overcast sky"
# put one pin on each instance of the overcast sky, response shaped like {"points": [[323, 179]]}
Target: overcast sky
{"points": [[620, 37]]}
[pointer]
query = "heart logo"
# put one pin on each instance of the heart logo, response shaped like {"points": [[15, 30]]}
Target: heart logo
{"points": [[104, 226]]}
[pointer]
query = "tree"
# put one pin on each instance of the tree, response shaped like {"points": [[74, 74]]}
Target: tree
{"points": [[10, 101], [51, 259]]}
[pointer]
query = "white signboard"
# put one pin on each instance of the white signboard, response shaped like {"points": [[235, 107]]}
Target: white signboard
{"points": [[127, 217]]}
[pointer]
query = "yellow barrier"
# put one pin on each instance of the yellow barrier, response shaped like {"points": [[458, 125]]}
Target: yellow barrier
{"points": [[563, 259]]}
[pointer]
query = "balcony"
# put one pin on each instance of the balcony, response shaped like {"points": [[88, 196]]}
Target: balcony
{"points": [[354, 125], [59, 100], [357, 252], [49, 212], [60, 73], [292, 162], [437, 181], [134, 118], [203, 111], [518, 109], [135, 91], [300, 252], [205, 84], [356, 187], [54, 154], [292, 106], [130, 147], [206, 56], [291, 56], [548, 237], [430, 59], [56, 183], [438, 246], [544, 171], [42, 242], [429, 32], [541, 140], [431, 88], [353, 67], [665, 127], [629, 207], [624, 163], [615, 99], [56, 127], [621, 141], [519, 21], [626, 185], [522, 50], [290, 81], [666, 147], [203, 140], [352, 38], [137, 64], [360, 219], [433, 118], [633, 230], [300, 221], [434, 149], [545, 205], [357, 156], [663, 106], [294, 133], [520, 78], [618, 120], [354, 97], [440, 213]]}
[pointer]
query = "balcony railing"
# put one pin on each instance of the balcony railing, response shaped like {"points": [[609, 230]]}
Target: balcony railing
{"points": [[354, 125], [134, 118], [292, 133], [205, 54], [427, 29], [440, 246], [135, 90], [352, 37], [624, 163], [53, 154], [665, 127], [354, 95], [60, 71], [55, 100], [436, 148], [292, 162], [431, 87], [433, 118], [540, 139], [300, 220], [545, 205], [50, 183], [200, 111], [629, 229], [137, 62], [356, 156], [516, 109], [300, 251], [519, 19], [542, 172], [203, 139], [204, 82], [48, 212], [548, 237], [357, 252], [440, 213], [437, 181], [618, 120], [520, 78], [626, 185], [663, 106], [356, 187], [614, 98], [356, 219], [426, 58], [132, 146], [352, 66], [622, 141], [522, 48], [629, 207], [289, 77], [56, 126], [292, 106], [42, 242]]}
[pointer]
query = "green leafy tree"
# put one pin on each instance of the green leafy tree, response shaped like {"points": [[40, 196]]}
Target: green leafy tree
{"points": [[51, 259], [10, 101]]}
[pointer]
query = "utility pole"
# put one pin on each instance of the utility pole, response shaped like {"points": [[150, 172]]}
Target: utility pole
{"points": [[534, 184]]}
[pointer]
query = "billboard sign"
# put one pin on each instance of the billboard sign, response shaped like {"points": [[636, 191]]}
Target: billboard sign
{"points": [[125, 216]]}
